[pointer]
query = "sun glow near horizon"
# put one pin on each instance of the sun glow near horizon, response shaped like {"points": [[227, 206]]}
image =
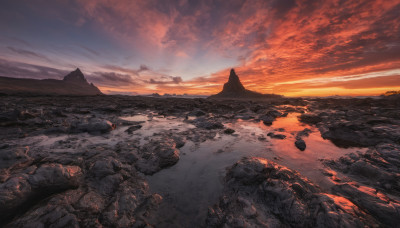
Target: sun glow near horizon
{"points": [[288, 47]]}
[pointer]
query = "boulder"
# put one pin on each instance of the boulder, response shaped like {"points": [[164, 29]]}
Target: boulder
{"points": [[300, 144], [261, 193]]}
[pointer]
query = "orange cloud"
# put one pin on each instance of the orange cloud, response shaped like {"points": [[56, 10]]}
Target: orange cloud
{"points": [[291, 47]]}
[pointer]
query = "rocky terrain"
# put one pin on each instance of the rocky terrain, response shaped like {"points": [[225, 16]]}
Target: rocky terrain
{"points": [[261, 193], [86, 161], [73, 84]]}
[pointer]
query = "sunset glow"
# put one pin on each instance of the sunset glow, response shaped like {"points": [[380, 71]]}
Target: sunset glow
{"points": [[289, 47]]}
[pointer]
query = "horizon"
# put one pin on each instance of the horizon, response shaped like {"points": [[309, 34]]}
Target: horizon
{"points": [[293, 48]]}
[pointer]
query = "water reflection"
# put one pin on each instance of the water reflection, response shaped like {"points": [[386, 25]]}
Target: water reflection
{"points": [[195, 182]]}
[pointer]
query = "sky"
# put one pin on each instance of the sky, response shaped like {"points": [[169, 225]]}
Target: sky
{"points": [[289, 47]]}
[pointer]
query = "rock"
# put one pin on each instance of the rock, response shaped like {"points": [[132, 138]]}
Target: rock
{"points": [[274, 113], [91, 202], [55, 177], [197, 113], [345, 134], [105, 167], [261, 138], [46, 180], [378, 167], [300, 144], [94, 126], [9, 116], [267, 119], [276, 136], [56, 216], [101, 126], [258, 192], [157, 154], [131, 129], [377, 204], [304, 133], [179, 141], [244, 116], [229, 131], [13, 155], [208, 124], [310, 118]]}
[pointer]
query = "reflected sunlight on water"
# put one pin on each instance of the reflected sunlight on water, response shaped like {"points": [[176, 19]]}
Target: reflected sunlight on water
{"points": [[195, 182]]}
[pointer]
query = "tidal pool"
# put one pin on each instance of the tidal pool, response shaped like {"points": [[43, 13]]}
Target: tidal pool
{"points": [[196, 181]]}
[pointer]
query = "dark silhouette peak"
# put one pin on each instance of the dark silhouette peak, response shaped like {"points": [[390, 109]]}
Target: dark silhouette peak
{"points": [[73, 84], [233, 85], [233, 76], [234, 89], [75, 76]]}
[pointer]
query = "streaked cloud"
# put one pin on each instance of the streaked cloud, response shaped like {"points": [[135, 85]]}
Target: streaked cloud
{"points": [[292, 47]]}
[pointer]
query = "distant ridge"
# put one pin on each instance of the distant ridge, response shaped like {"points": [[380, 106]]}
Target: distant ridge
{"points": [[74, 83], [234, 89]]}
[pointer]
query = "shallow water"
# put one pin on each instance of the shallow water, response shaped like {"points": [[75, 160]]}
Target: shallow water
{"points": [[195, 182]]}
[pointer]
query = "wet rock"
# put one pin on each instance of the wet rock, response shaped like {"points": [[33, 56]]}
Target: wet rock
{"points": [[378, 172], [300, 144], [56, 216], [95, 126], [267, 119], [229, 131], [197, 113], [262, 138], [91, 202], [55, 176], [13, 155], [9, 116], [108, 185], [304, 133], [378, 167], [310, 118], [179, 141], [258, 192], [274, 113], [244, 116], [131, 129], [105, 167], [208, 124], [157, 154], [376, 203], [112, 193], [46, 180], [276, 136], [359, 134], [101, 126]]}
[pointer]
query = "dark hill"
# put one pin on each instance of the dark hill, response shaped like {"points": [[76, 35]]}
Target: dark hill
{"points": [[74, 83], [234, 89]]}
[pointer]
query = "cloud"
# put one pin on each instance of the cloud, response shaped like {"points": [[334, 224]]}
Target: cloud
{"points": [[167, 80], [268, 42], [24, 70], [91, 51], [143, 68], [27, 53], [111, 79]]}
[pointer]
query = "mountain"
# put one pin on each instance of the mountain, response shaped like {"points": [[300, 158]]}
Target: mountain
{"points": [[234, 89], [74, 83], [75, 76]]}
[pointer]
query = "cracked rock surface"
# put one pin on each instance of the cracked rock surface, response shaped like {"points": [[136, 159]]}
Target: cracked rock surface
{"points": [[261, 193]]}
